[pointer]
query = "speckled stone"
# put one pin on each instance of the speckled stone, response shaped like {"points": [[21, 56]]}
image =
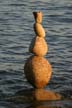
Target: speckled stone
{"points": [[37, 71], [39, 30], [38, 16], [38, 46]]}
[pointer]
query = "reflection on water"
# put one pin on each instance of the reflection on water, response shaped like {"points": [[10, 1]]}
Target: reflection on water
{"points": [[37, 98], [16, 32], [52, 104]]}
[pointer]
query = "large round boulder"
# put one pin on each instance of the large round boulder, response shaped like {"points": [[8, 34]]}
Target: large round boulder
{"points": [[37, 71]]}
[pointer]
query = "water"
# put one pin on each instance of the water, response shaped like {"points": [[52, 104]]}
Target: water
{"points": [[16, 33]]}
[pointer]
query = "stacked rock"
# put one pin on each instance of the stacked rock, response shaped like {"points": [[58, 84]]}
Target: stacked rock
{"points": [[37, 69]]}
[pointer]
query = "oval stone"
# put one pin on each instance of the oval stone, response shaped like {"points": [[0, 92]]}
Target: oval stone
{"points": [[38, 46], [39, 30], [37, 71]]}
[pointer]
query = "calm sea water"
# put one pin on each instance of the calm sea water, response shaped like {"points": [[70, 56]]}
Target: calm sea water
{"points": [[16, 33]]}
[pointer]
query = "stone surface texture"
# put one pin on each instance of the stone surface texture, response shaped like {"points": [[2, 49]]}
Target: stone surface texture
{"points": [[38, 46], [38, 71], [39, 30], [38, 16]]}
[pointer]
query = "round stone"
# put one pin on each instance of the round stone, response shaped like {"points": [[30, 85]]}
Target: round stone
{"points": [[38, 16], [39, 30], [38, 46], [37, 71]]}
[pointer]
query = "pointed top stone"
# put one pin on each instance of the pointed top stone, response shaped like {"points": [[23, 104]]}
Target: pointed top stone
{"points": [[38, 16]]}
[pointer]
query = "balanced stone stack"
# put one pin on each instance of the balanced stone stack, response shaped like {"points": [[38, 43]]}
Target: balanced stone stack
{"points": [[37, 69]]}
